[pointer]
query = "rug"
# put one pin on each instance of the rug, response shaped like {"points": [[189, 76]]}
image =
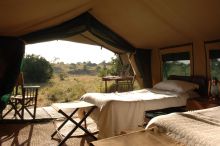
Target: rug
{"points": [[35, 134]]}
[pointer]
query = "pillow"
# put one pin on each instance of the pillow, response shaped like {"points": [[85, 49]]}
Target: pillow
{"points": [[176, 85]]}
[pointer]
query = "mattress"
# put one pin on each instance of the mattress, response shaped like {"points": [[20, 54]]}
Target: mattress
{"points": [[117, 112]]}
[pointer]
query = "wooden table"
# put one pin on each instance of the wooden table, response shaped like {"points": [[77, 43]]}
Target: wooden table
{"points": [[137, 138], [116, 79]]}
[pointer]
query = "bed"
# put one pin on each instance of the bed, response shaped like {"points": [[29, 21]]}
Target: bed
{"points": [[200, 127], [193, 128], [117, 112]]}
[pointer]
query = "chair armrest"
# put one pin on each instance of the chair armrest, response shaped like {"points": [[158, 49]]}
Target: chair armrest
{"points": [[32, 87], [30, 91]]}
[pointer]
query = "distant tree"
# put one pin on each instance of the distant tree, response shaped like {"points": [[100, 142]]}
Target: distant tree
{"points": [[36, 69], [103, 63], [116, 66], [215, 68], [89, 63], [85, 67], [175, 68], [103, 72], [73, 66], [61, 62], [55, 59], [98, 68]]}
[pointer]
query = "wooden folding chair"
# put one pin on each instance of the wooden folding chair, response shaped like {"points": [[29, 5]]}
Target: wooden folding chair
{"points": [[126, 85], [23, 97]]}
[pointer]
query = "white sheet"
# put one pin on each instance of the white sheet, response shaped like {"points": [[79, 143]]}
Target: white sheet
{"points": [[125, 111], [101, 99], [200, 127]]}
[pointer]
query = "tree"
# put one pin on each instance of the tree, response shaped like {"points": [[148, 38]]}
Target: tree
{"points": [[73, 66], [116, 66], [36, 69]]}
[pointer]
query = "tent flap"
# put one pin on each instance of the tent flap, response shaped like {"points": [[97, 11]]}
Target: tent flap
{"points": [[11, 55], [143, 62], [78, 25]]}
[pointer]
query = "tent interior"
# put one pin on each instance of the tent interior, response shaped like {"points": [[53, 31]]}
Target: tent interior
{"points": [[139, 30]]}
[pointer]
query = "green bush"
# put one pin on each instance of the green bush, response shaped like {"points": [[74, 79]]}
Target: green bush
{"points": [[36, 69]]}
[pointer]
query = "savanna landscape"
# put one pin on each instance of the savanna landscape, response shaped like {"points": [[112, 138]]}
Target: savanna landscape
{"points": [[67, 82]]}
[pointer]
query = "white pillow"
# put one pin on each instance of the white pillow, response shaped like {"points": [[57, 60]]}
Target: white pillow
{"points": [[176, 85]]}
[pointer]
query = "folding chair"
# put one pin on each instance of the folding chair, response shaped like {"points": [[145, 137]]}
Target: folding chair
{"points": [[126, 84], [23, 97]]}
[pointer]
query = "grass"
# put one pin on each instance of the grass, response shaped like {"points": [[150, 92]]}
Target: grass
{"points": [[66, 86], [69, 88]]}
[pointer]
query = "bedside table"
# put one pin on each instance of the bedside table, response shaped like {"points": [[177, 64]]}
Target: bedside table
{"points": [[200, 103]]}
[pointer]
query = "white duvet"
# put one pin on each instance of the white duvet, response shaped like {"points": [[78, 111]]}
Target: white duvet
{"points": [[101, 99], [198, 128]]}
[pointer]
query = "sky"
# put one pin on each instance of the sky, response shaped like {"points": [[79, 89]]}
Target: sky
{"points": [[69, 52]]}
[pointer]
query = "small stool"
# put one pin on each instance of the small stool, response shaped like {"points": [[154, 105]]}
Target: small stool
{"points": [[74, 106]]}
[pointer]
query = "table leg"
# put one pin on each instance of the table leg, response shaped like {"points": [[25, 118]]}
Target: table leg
{"points": [[106, 87], [78, 125], [67, 119], [116, 85]]}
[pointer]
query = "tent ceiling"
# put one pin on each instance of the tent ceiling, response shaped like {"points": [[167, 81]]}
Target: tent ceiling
{"points": [[143, 23], [24, 16]]}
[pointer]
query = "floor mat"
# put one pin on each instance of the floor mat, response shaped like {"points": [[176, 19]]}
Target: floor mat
{"points": [[35, 135]]}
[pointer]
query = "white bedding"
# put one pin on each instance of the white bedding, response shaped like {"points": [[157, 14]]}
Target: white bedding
{"points": [[125, 111], [150, 95], [198, 128]]}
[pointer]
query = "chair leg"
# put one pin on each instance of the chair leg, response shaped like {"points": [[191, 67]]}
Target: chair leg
{"points": [[22, 109], [35, 107], [85, 124], [16, 110], [1, 115], [15, 107]]}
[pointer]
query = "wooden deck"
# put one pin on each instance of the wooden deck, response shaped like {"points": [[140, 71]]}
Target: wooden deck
{"points": [[28, 132], [41, 114]]}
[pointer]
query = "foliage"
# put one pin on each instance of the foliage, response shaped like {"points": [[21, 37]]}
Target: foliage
{"points": [[36, 69], [70, 89], [116, 67], [62, 76], [176, 68], [72, 66], [102, 71], [215, 68]]}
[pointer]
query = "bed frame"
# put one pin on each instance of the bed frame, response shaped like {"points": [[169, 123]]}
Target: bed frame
{"points": [[203, 90]]}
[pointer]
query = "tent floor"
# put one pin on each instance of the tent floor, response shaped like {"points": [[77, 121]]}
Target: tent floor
{"points": [[38, 132]]}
